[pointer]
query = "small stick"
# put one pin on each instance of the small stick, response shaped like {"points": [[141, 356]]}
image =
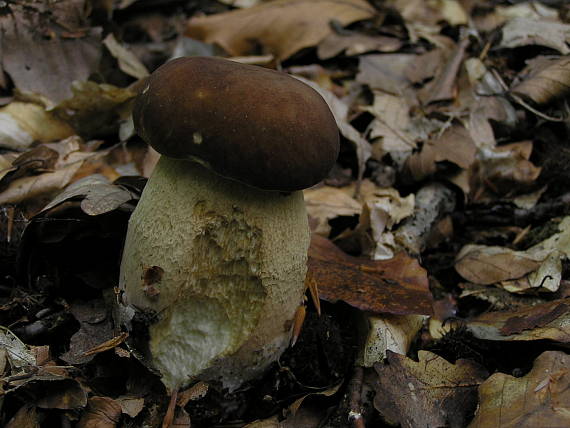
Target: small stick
{"points": [[355, 391]]}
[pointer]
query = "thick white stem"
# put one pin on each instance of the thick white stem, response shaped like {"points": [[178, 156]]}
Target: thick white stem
{"points": [[223, 266]]}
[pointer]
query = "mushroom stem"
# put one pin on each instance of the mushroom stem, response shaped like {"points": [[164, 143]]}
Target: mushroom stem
{"points": [[229, 263]]}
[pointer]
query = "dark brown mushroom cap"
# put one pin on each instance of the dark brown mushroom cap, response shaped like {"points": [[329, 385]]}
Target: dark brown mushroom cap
{"points": [[255, 125]]}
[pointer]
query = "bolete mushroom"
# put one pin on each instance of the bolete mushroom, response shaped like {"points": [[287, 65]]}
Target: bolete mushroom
{"points": [[216, 249]]}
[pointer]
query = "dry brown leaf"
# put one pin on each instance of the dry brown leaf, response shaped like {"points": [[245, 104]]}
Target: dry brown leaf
{"points": [[539, 399], [25, 417], [524, 31], [39, 59], [424, 67], [385, 72], [128, 61], [487, 265], [131, 406], [326, 203], [506, 169], [99, 195], [102, 412], [546, 81], [356, 44], [454, 145], [393, 125], [431, 392], [22, 124], [63, 394], [281, 27], [95, 108], [383, 209], [396, 286], [389, 332], [44, 170], [431, 12], [549, 320], [95, 329], [444, 86]]}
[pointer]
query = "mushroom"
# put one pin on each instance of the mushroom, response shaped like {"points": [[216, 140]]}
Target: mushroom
{"points": [[216, 249]]}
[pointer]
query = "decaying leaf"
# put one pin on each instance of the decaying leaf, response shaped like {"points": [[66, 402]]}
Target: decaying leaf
{"points": [[25, 417], [40, 60], [270, 26], [96, 329], [385, 72], [431, 392], [525, 31], [325, 203], [383, 209], [489, 265], [389, 332], [548, 79], [102, 412], [44, 170], [539, 399], [396, 286], [93, 108], [549, 320], [537, 268], [355, 44], [128, 62], [22, 124], [454, 145], [61, 394], [507, 168], [99, 195]]}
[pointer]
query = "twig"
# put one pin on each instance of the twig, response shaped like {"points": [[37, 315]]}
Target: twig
{"points": [[355, 391]]}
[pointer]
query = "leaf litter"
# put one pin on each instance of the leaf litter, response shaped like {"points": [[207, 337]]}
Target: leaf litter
{"points": [[439, 252]]}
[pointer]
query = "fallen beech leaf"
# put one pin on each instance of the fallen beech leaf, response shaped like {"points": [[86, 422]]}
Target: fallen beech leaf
{"points": [[539, 399], [393, 124], [524, 31], [389, 332], [25, 417], [281, 27], [454, 145], [431, 392], [356, 44], [94, 107], [61, 394], [547, 80], [131, 406], [128, 62], [22, 124], [396, 286], [385, 73], [549, 320], [443, 87], [96, 329], [102, 412], [383, 209], [326, 203], [45, 66], [488, 265], [99, 195], [107, 345]]}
